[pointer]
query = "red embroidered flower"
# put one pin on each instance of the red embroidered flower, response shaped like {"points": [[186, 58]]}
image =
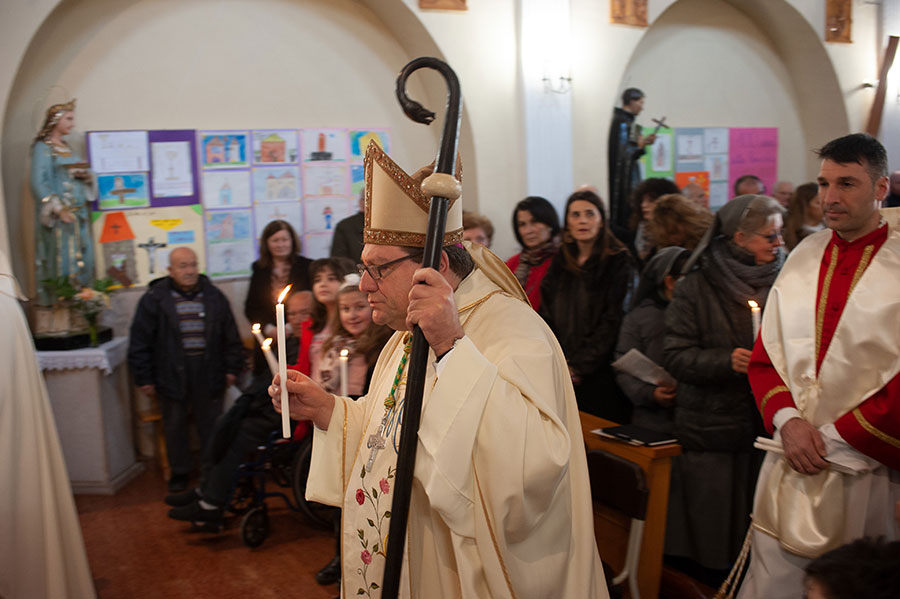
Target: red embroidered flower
{"points": [[366, 556], [360, 497], [385, 485]]}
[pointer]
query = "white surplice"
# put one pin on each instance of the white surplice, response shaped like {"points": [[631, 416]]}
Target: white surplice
{"points": [[42, 552], [501, 501]]}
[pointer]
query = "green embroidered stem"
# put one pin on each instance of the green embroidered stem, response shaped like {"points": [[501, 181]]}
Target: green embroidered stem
{"points": [[391, 400]]}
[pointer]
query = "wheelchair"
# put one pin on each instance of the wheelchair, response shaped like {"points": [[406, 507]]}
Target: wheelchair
{"points": [[286, 462]]}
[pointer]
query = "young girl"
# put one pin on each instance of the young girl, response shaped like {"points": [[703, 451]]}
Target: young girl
{"points": [[353, 330]]}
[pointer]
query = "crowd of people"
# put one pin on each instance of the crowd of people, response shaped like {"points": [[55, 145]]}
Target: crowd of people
{"points": [[662, 274]]}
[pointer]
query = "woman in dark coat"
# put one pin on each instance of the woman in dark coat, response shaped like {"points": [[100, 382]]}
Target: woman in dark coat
{"points": [[583, 299], [279, 264], [709, 333]]}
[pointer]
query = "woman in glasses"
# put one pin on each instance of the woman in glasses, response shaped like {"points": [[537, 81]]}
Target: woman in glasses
{"points": [[709, 334]]}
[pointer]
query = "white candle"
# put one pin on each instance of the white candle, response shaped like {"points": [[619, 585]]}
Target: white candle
{"points": [[257, 332], [345, 356], [755, 313], [267, 352], [282, 365]]}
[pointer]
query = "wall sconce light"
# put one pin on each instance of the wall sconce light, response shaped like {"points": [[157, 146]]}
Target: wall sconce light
{"points": [[557, 85]]}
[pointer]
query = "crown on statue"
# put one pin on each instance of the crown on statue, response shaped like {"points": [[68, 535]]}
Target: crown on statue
{"points": [[397, 209], [57, 110]]}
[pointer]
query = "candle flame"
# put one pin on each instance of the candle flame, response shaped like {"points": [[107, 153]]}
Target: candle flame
{"points": [[255, 328], [752, 304], [345, 352], [284, 292], [267, 343]]}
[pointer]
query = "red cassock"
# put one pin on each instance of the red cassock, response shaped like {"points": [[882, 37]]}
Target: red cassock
{"points": [[873, 427]]}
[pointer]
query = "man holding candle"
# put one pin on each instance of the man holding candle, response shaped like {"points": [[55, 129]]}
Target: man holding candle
{"points": [[824, 371], [184, 350], [501, 504]]}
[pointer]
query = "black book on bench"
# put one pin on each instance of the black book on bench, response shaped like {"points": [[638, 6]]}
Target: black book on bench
{"points": [[636, 435]]}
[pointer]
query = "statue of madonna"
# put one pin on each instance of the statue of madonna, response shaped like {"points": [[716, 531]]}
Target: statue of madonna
{"points": [[62, 186]]}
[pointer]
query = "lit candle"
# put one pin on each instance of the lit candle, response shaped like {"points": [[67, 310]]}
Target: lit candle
{"points": [[267, 352], [754, 312], [345, 356], [257, 332], [282, 365]]}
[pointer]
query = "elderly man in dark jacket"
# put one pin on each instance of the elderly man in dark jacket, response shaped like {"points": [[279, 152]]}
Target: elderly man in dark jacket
{"points": [[184, 350]]}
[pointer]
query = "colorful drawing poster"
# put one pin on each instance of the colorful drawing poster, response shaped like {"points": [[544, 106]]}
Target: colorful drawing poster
{"points": [[122, 191], [701, 178], [323, 180], [275, 146], [226, 189], [173, 169], [324, 145], [276, 184], [689, 154], [291, 212], [224, 149], [359, 141], [317, 245], [357, 179], [659, 160], [229, 242], [322, 214], [118, 151], [753, 151], [717, 167], [139, 241]]}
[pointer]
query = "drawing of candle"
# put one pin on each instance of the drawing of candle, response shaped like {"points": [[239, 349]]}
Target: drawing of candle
{"points": [[321, 153]]}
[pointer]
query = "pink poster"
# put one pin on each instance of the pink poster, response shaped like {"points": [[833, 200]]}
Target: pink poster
{"points": [[753, 151]]}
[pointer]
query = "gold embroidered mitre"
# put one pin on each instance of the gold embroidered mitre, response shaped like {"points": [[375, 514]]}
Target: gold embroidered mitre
{"points": [[396, 207]]}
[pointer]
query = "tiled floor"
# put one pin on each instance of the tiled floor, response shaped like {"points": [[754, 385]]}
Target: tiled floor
{"points": [[136, 551]]}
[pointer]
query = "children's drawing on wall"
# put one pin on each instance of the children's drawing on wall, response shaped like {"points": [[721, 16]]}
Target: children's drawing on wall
{"points": [[690, 147], [118, 151], [324, 145], [122, 191], [317, 245], [223, 149], [291, 212], [715, 140], [359, 141], [229, 242], [275, 146], [225, 189], [321, 180], [133, 246], [172, 170], [323, 213], [717, 166], [276, 184], [357, 179]]}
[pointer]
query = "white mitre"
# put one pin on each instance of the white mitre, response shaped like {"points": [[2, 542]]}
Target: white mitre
{"points": [[397, 209]]}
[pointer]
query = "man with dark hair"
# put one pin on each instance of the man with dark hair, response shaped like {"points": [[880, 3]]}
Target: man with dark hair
{"points": [[500, 504], [893, 198], [347, 241], [184, 351], [749, 185], [867, 568], [825, 371], [625, 148]]}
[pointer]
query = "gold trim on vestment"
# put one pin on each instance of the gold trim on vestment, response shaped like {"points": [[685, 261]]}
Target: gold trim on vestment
{"points": [[863, 263], [773, 391], [487, 519], [870, 428], [823, 300]]}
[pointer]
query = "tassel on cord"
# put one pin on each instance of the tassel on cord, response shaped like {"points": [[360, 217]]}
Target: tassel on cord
{"points": [[729, 586]]}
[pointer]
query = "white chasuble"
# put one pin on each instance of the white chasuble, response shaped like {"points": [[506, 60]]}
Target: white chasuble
{"points": [[500, 503]]}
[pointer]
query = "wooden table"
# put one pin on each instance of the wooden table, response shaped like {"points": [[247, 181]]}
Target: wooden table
{"points": [[611, 527]]}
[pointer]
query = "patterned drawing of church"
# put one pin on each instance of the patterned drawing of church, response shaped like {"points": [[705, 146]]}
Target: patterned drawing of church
{"points": [[283, 187], [117, 242], [273, 149]]}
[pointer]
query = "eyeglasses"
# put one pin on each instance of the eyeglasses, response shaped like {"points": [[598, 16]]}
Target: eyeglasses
{"points": [[376, 271], [773, 238]]}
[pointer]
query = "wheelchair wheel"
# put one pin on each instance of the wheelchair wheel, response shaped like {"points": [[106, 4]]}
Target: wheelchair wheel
{"points": [[244, 495], [255, 527], [317, 514]]}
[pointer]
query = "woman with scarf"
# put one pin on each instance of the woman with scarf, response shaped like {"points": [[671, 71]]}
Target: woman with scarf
{"points": [[537, 230], [709, 334]]}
